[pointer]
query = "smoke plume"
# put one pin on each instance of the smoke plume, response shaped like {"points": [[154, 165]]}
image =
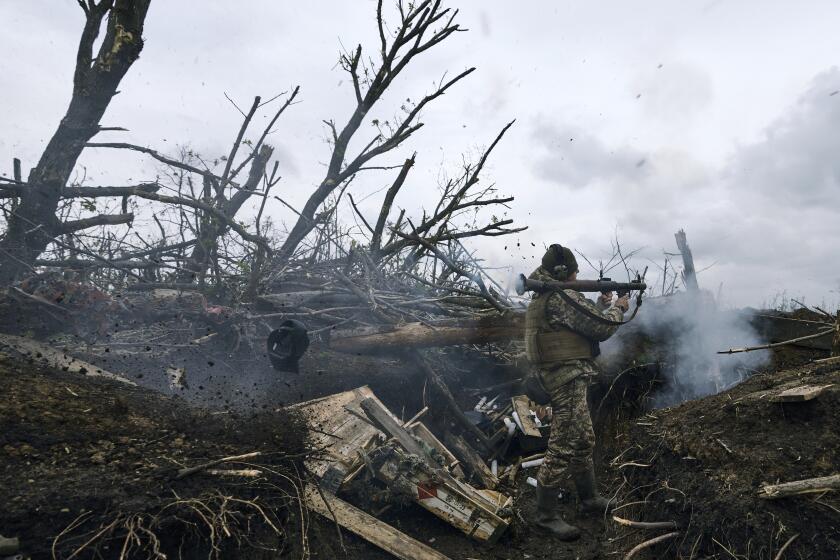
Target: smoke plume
{"points": [[683, 333]]}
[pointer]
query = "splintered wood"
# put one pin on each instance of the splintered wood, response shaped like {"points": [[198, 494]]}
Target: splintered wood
{"points": [[522, 408], [801, 393], [339, 433], [807, 486], [356, 431]]}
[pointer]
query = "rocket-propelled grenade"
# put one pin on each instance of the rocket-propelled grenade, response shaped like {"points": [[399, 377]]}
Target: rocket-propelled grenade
{"points": [[524, 284]]}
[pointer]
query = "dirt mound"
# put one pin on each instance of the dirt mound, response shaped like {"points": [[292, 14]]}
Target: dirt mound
{"points": [[90, 467], [701, 465]]}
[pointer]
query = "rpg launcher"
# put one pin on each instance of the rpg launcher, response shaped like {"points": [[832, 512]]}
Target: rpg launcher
{"points": [[524, 284]]}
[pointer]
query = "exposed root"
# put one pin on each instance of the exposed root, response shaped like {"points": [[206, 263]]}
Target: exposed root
{"points": [[648, 543], [648, 525]]}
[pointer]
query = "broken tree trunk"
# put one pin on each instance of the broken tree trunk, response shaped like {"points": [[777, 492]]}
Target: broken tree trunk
{"points": [[807, 486], [835, 343], [34, 223], [689, 274], [419, 335]]}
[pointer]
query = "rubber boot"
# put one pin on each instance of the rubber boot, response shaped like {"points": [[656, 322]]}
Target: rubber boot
{"points": [[587, 489], [548, 518]]}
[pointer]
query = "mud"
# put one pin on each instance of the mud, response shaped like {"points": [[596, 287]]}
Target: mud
{"points": [[81, 454]]}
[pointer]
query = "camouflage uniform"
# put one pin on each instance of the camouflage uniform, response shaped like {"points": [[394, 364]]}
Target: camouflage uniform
{"points": [[572, 438]]}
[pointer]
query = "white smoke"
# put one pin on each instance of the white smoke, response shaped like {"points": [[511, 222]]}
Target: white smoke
{"points": [[684, 332]]}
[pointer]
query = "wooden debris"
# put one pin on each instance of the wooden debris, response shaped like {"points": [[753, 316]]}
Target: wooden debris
{"points": [[368, 527], [801, 393], [340, 434], [247, 473], [469, 457], [421, 432], [522, 408], [441, 387], [384, 421], [349, 445], [419, 335], [192, 470], [475, 512], [830, 360], [806, 486]]}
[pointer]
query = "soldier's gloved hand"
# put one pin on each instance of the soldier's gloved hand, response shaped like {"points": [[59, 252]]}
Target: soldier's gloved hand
{"points": [[623, 303]]}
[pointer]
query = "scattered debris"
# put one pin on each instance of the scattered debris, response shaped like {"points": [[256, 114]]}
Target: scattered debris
{"points": [[368, 527], [801, 393], [807, 486], [407, 458]]}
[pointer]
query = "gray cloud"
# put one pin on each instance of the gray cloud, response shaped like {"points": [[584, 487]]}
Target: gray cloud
{"points": [[765, 219], [575, 158], [796, 161], [673, 92]]}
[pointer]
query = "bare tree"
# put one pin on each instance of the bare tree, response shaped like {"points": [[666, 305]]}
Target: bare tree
{"points": [[421, 27], [33, 224]]}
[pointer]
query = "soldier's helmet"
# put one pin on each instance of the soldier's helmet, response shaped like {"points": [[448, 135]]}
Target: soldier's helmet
{"points": [[559, 262]]}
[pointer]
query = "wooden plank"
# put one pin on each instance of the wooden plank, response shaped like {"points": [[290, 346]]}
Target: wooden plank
{"points": [[459, 504], [379, 415], [801, 393], [337, 432], [368, 527], [469, 457], [807, 486], [420, 431], [522, 407]]}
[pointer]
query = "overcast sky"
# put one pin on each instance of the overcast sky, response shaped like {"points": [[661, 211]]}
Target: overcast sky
{"points": [[722, 118]]}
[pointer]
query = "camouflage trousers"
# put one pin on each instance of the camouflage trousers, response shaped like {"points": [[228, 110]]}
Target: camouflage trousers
{"points": [[572, 438]]}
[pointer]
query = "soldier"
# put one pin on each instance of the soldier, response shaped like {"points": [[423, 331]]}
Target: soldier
{"points": [[562, 332]]}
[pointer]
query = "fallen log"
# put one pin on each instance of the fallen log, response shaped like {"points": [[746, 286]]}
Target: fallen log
{"points": [[419, 335], [806, 486]]}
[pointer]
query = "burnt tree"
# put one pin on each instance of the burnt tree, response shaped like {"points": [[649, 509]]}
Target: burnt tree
{"points": [[33, 224]]}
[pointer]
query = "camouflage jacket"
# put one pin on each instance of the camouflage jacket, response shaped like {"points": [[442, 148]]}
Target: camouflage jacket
{"points": [[561, 314]]}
